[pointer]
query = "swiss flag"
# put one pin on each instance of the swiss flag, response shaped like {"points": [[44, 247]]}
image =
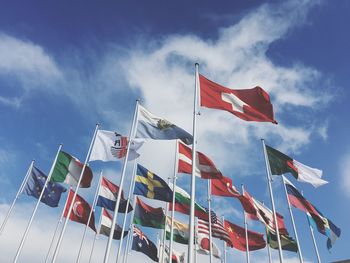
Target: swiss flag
{"points": [[80, 211], [247, 104], [223, 187]]}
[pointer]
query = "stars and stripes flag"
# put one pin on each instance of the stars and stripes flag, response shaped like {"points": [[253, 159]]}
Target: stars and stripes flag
{"points": [[217, 229]]}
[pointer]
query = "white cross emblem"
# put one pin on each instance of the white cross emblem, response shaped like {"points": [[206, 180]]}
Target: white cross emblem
{"points": [[237, 104]]}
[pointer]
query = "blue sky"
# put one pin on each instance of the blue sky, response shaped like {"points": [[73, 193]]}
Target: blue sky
{"points": [[66, 66]]}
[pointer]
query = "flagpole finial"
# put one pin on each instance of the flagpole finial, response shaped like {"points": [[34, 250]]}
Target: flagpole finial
{"points": [[196, 64]]}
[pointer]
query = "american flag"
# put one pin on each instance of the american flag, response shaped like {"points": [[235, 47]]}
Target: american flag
{"points": [[213, 216], [217, 229]]}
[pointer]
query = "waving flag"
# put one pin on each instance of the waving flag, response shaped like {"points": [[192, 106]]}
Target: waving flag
{"points": [[287, 242], [80, 210], [281, 164], [180, 231], [154, 127], [148, 216], [205, 168], [68, 169], [217, 229], [204, 245], [106, 225], [111, 146], [107, 197], [142, 244], [223, 187], [238, 238], [176, 257], [34, 186], [247, 104], [151, 185]]}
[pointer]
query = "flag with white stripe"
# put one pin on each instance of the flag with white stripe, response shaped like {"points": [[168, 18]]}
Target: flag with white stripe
{"points": [[217, 230]]}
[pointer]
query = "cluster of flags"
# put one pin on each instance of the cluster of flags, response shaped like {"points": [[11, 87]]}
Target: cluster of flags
{"points": [[247, 104]]}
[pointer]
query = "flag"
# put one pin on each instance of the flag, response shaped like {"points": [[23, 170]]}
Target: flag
{"points": [[287, 243], [181, 231], [34, 186], [106, 225], [238, 238], [80, 210], [257, 211], [107, 196], [154, 127], [142, 244], [204, 245], [149, 216], [183, 203], [205, 168], [281, 164], [68, 170], [111, 146], [176, 257], [217, 230], [151, 185], [223, 187], [247, 104]]}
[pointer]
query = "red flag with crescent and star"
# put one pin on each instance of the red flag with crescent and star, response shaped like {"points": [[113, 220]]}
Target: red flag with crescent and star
{"points": [[80, 211]]}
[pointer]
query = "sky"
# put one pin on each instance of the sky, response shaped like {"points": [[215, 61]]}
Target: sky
{"points": [[66, 66]]}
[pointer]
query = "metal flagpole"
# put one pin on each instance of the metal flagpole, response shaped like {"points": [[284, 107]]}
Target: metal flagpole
{"points": [[115, 215], [95, 236], [268, 248], [158, 244], [195, 244], [269, 179], [173, 201], [128, 247], [246, 232], [131, 189], [20, 189], [36, 207], [90, 215], [209, 222], [193, 178], [58, 246], [293, 223], [314, 241], [57, 226], [164, 232], [223, 222]]}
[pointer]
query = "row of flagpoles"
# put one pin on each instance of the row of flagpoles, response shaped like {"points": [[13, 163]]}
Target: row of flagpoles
{"points": [[250, 105]]}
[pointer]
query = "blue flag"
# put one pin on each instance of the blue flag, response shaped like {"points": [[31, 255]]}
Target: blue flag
{"points": [[142, 244], [151, 185], [34, 186]]}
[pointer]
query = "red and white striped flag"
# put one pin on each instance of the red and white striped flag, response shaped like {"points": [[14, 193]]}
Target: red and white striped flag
{"points": [[217, 230]]}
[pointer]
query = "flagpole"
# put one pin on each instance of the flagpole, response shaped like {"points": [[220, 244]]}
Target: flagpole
{"points": [[209, 221], [269, 180], [158, 244], [246, 232], [128, 247], [195, 246], [20, 189], [58, 246], [193, 178], [268, 248], [57, 226], [293, 223], [131, 189], [36, 207], [164, 232], [95, 236], [115, 215], [90, 215], [223, 222], [173, 201]]}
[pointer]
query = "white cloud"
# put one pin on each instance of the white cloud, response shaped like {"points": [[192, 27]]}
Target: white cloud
{"points": [[344, 169]]}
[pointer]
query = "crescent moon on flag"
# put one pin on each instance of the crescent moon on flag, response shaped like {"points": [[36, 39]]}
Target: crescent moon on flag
{"points": [[75, 209]]}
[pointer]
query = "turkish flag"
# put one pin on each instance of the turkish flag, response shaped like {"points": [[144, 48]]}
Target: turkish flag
{"points": [[238, 238], [223, 187], [80, 211], [247, 104]]}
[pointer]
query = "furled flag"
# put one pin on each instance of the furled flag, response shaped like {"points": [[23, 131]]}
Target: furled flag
{"points": [[154, 127], [148, 216], [238, 238], [247, 104], [142, 244], [204, 245], [111, 146], [183, 203], [80, 210], [281, 164], [151, 185], [205, 168], [217, 229], [287, 243], [68, 169], [35, 183], [257, 211], [181, 231], [107, 196], [106, 225], [176, 257], [223, 187]]}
